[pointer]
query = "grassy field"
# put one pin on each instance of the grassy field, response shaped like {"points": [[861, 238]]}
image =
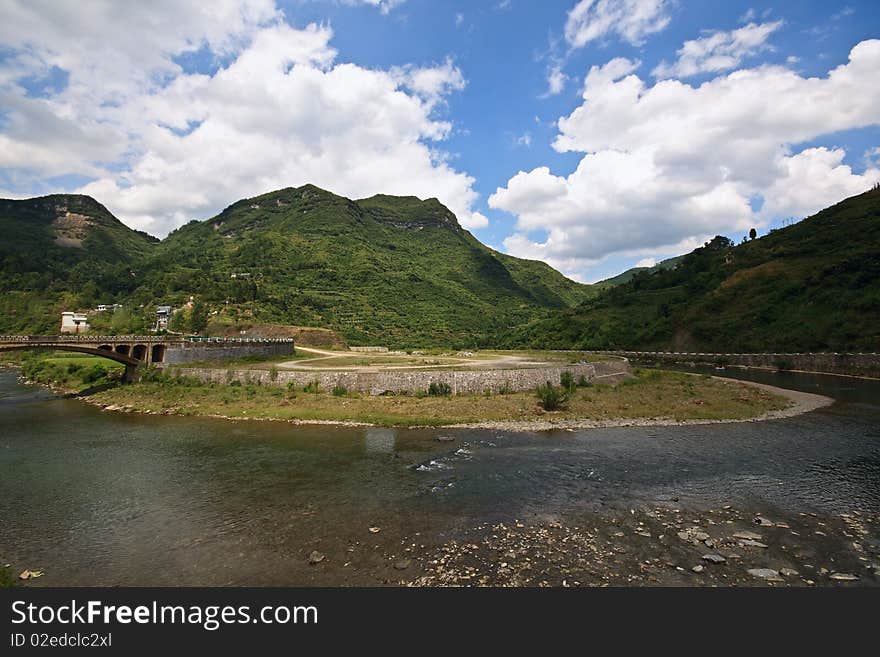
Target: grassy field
{"points": [[649, 394]]}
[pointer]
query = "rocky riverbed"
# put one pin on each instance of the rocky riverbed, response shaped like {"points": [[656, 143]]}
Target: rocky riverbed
{"points": [[656, 546]]}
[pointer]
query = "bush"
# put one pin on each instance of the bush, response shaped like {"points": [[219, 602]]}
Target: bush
{"points": [[94, 373], [291, 389], [566, 380], [583, 382], [273, 373], [312, 387], [439, 389], [340, 391], [550, 397]]}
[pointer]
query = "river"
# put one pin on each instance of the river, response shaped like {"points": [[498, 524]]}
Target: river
{"points": [[99, 498]]}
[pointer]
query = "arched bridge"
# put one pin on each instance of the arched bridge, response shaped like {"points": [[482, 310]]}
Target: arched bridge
{"points": [[136, 350]]}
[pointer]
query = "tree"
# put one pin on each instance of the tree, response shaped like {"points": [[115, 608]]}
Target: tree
{"points": [[198, 320], [753, 234]]}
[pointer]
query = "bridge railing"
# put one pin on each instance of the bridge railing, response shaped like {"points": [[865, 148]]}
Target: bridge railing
{"points": [[151, 339], [90, 339], [195, 338]]}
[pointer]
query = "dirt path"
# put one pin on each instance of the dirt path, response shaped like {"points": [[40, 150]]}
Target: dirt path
{"points": [[500, 362]]}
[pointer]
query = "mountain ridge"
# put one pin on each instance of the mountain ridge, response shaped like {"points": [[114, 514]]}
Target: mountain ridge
{"points": [[399, 270], [811, 286]]}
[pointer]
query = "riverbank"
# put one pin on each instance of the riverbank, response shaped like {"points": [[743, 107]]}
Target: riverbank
{"points": [[648, 397], [666, 544], [799, 403]]}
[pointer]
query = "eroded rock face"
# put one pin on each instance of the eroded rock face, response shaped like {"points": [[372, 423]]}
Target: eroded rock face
{"points": [[71, 228]]}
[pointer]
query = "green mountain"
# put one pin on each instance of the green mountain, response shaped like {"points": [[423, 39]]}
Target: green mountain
{"points": [[629, 274], [812, 286], [387, 270], [60, 252]]}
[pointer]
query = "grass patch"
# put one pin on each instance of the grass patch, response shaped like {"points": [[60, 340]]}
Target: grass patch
{"points": [[71, 373], [7, 579], [648, 394]]}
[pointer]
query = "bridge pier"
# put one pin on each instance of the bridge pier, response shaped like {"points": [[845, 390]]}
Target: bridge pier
{"points": [[132, 374]]}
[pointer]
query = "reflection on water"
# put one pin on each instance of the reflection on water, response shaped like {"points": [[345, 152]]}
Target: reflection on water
{"points": [[96, 497], [380, 440]]}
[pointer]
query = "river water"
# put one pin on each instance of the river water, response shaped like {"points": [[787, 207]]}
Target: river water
{"points": [[93, 497]]}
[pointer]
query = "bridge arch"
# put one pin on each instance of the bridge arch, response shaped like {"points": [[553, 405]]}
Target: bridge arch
{"points": [[104, 351], [139, 352], [81, 349]]}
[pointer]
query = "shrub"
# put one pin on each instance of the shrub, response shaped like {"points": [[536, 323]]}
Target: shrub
{"points": [[312, 387], [340, 391], [566, 380], [273, 373], [94, 373], [291, 389], [583, 382], [439, 389], [550, 397]]}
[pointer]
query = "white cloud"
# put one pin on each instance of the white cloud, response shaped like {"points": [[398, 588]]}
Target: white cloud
{"points": [[718, 51], [556, 80], [646, 262], [384, 6], [524, 139], [749, 16], [672, 163], [432, 83], [165, 145], [459, 19], [631, 20]]}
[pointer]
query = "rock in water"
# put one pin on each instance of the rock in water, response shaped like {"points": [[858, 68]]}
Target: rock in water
{"points": [[714, 558], [843, 577], [316, 557], [765, 573], [30, 574]]}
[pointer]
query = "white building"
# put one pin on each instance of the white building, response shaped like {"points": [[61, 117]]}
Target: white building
{"points": [[74, 322], [163, 316]]}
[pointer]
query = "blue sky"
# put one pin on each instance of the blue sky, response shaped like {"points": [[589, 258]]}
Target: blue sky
{"points": [[644, 158]]}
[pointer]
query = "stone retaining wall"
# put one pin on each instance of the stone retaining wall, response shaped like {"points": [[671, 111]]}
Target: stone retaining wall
{"points": [[830, 363], [377, 383], [191, 352]]}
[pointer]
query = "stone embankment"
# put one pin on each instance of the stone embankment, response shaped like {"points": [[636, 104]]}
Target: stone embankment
{"points": [[851, 364], [191, 351], [377, 383]]}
